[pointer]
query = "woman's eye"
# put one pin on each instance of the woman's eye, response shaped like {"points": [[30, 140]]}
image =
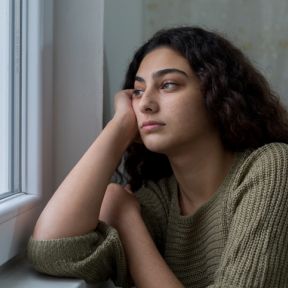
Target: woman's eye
{"points": [[169, 85], [137, 92]]}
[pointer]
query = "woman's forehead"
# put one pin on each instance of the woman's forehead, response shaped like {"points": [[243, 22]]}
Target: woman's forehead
{"points": [[162, 59]]}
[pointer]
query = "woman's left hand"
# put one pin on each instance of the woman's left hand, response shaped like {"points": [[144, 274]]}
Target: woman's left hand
{"points": [[118, 205]]}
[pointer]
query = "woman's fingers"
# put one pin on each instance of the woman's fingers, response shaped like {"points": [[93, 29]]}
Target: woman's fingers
{"points": [[124, 113], [118, 201], [127, 187], [123, 99]]}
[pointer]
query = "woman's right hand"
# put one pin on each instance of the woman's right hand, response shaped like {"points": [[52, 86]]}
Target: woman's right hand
{"points": [[124, 113]]}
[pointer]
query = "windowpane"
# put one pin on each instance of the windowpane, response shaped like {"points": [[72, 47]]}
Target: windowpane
{"points": [[10, 88], [4, 95]]}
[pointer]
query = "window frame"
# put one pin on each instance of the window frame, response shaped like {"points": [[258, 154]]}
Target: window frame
{"points": [[18, 213], [4, 101]]}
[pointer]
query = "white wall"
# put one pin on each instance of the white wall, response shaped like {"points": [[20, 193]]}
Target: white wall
{"points": [[78, 80], [123, 33]]}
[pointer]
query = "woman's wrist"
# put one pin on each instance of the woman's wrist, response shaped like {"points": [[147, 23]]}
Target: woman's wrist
{"points": [[126, 125]]}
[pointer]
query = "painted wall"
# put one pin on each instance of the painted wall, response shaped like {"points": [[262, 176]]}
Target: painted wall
{"points": [[78, 80], [258, 27], [123, 33]]}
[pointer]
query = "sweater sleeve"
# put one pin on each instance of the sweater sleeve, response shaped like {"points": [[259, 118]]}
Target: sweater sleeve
{"points": [[256, 251], [94, 257]]}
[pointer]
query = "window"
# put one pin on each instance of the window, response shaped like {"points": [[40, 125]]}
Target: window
{"points": [[25, 29], [10, 114], [4, 103], [4, 99]]}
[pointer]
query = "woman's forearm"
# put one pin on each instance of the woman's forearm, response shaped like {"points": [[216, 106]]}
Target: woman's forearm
{"points": [[147, 267], [74, 208]]}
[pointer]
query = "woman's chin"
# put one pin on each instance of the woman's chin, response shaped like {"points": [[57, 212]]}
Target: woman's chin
{"points": [[155, 147]]}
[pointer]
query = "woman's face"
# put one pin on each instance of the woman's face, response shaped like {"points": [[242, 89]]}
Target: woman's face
{"points": [[168, 103]]}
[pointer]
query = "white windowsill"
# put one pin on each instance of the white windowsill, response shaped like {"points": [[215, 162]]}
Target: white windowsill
{"points": [[17, 204], [17, 218], [20, 274]]}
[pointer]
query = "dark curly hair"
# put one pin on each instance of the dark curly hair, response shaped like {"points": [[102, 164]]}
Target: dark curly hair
{"points": [[238, 98]]}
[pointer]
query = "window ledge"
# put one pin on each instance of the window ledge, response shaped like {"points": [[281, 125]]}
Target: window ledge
{"points": [[17, 219], [20, 274], [17, 204]]}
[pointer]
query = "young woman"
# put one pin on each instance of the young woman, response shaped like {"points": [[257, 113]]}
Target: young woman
{"points": [[205, 150]]}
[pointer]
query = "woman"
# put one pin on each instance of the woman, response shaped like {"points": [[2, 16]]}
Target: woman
{"points": [[209, 172]]}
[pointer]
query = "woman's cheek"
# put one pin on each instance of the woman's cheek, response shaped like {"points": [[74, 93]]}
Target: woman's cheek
{"points": [[133, 102], [135, 109]]}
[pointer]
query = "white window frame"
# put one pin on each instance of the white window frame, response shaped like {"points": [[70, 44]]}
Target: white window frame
{"points": [[4, 100], [19, 213]]}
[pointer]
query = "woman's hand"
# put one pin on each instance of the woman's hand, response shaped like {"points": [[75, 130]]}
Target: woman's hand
{"points": [[124, 113], [123, 102], [121, 210], [118, 205]]}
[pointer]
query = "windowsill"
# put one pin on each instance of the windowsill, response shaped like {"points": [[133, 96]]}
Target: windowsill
{"points": [[17, 204], [19, 274], [18, 214]]}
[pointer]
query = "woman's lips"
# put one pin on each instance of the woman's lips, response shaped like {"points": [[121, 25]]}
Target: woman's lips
{"points": [[150, 126]]}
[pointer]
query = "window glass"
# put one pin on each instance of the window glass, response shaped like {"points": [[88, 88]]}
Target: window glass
{"points": [[10, 97]]}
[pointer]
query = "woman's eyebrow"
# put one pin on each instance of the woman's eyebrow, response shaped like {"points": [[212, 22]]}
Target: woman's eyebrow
{"points": [[161, 73], [168, 71]]}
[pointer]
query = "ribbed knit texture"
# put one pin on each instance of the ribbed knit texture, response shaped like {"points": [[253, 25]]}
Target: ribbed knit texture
{"points": [[239, 238]]}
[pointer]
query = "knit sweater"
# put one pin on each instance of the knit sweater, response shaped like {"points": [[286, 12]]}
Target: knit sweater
{"points": [[239, 238]]}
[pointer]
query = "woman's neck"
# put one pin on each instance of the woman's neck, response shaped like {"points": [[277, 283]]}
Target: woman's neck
{"points": [[199, 172]]}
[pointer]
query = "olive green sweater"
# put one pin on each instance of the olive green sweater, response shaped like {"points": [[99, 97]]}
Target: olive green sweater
{"points": [[239, 238]]}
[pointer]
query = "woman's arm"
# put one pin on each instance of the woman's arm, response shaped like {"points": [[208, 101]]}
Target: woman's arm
{"points": [[147, 267], [74, 208]]}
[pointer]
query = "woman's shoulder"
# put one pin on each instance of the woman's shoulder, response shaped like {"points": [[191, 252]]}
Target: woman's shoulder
{"points": [[274, 150], [260, 179], [269, 156], [265, 165]]}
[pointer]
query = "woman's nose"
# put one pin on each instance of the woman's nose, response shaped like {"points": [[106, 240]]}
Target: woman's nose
{"points": [[149, 103]]}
